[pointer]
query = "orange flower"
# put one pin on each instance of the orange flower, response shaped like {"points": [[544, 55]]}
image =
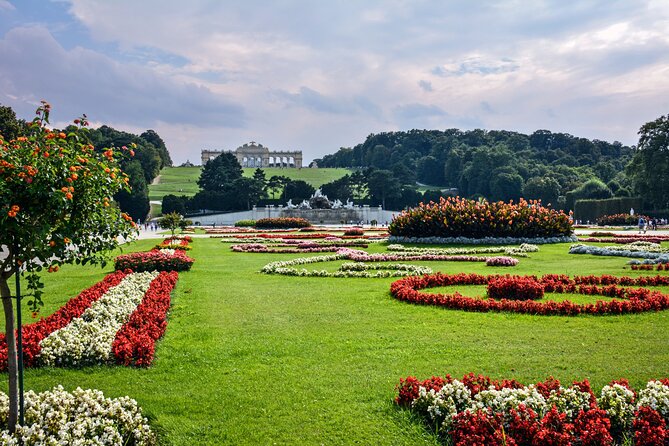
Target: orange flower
{"points": [[52, 243], [67, 240], [53, 269], [46, 154], [64, 189], [11, 214], [68, 196], [16, 208], [62, 135]]}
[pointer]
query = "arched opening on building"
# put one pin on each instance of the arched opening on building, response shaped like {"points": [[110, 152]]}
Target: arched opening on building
{"points": [[291, 162]]}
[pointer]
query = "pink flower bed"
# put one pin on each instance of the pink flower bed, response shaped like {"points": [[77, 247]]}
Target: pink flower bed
{"points": [[626, 300], [155, 260], [74, 308], [134, 344]]}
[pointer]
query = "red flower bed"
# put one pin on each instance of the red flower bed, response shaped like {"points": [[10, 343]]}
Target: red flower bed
{"points": [[74, 308], [356, 232], [620, 220], [515, 288], [635, 300], [135, 341], [644, 267], [458, 217], [155, 260], [174, 243], [282, 222]]}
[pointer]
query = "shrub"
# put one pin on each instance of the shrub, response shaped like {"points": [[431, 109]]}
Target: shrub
{"points": [[245, 223], [515, 288], [458, 217], [282, 222]]}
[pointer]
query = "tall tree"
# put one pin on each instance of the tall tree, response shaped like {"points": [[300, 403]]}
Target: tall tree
{"points": [[152, 137], [382, 185], [55, 194], [219, 172], [649, 169], [9, 125], [134, 202], [298, 190]]}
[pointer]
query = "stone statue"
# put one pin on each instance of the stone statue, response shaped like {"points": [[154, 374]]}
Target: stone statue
{"points": [[290, 204], [337, 204], [349, 204], [304, 205]]}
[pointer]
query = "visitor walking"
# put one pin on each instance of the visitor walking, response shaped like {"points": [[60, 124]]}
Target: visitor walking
{"points": [[642, 225]]}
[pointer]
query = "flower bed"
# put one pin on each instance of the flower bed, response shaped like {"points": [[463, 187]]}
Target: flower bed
{"points": [[501, 261], [282, 222], [520, 251], [354, 232], [515, 288], [155, 260], [174, 243], [134, 343], [650, 267], [84, 329], [620, 220], [80, 417], [88, 339], [187, 238], [646, 251], [74, 308], [479, 410], [286, 248], [287, 268], [623, 240], [458, 217], [625, 300]]}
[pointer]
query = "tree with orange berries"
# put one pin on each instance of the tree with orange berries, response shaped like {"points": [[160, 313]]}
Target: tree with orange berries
{"points": [[55, 207]]}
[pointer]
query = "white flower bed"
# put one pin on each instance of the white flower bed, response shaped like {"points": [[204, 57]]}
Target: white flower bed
{"points": [[83, 417], [621, 251], [618, 402], [483, 241], [520, 251], [88, 339], [655, 396]]}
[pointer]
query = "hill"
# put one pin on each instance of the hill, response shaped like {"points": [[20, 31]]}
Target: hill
{"points": [[493, 164]]}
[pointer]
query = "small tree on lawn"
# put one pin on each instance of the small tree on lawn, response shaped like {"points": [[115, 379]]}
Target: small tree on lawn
{"points": [[173, 221], [55, 207]]}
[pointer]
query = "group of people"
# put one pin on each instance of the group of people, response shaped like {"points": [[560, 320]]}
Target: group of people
{"points": [[148, 225], [650, 223]]}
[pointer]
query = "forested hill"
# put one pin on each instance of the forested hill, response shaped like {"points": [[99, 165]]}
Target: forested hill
{"points": [[485, 163]]}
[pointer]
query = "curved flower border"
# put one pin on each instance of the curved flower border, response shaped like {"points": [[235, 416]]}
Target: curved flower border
{"points": [[631, 300]]}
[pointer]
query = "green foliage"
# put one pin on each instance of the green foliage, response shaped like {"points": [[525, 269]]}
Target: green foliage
{"points": [[297, 191], [245, 223], [173, 221], [472, 161], [545, 188], [10, 127], [282, 223], [591, 189], [172, 203], [382, 184], [135, 201], [218, 174], [649, 169]]}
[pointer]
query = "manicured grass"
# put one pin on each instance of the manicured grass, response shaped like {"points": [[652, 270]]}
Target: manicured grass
{"points": [[261, 359], [183, 180]]}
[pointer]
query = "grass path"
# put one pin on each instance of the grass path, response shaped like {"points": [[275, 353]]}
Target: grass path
{"points": [[257, 359]]}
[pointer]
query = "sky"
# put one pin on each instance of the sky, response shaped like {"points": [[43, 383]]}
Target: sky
{"points": [[316, 76]]}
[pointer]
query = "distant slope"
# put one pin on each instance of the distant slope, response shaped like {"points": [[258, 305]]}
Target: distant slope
{"points": [[183, 180]]}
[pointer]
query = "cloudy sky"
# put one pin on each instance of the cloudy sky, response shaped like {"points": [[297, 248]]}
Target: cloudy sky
{"points": [[316, 76]]}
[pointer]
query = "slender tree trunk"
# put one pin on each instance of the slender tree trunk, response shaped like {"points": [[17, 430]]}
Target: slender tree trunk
{"points": [[12, 367]]}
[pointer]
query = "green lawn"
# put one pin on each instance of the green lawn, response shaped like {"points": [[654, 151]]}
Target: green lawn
{"points": [[256, 359], [183, 180]]}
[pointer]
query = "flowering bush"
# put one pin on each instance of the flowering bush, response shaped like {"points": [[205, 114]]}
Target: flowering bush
{"points": [[156, 260], [515, 288], [520, 251], [134, 343], [186, 238], [650, 267], [81, 417], [631, 300], [620, 220], [282, 222], [479, 410], [458, 217], [501, 261]]}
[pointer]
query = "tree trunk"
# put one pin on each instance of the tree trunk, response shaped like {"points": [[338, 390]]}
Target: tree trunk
{"points": [[12, 367]]}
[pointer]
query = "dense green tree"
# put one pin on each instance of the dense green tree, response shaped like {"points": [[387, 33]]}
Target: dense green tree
{"points": [[506, 186], [382, 184], [649, 169], [546, 189], [591, 189], [220, 172], [298, 190], [10, 127], [339, 189], [359, 184], [172, 203], [152, 137], [277, 183], [248, 190], [173, 221], [134, 202]]}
